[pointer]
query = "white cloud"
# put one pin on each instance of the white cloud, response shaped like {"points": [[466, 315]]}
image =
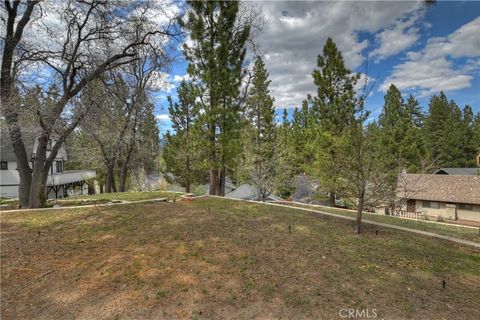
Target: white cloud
{"points": [[433, 68], [295, 33], [397, 37], [364, 84], [159, 81], [162, 117], [179, 78], [173, 81]]}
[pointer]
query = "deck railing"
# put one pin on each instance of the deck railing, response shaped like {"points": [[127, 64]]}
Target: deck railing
{"points": [[71, 176], [416, 215]]}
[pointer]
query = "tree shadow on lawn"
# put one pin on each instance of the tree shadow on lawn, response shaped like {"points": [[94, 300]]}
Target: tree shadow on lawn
{"points": [[223, 259]]}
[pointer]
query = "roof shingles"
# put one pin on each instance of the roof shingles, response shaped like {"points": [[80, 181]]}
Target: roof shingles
{"points": [[440, 187]]}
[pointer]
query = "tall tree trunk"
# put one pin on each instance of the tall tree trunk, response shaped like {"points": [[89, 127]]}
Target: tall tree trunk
{"points": [[38, 190], [187, 188], [124, 170], [114, 185], [24, 189], [13, 34], [109, 179], [131, 144], [123, 177], [213, 165], [358, 220], [23, 167], [221, 182], [91, 187], [40, 173], [332, 199]]}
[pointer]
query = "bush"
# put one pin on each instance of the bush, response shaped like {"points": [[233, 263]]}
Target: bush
{"points": [[198, 190]]}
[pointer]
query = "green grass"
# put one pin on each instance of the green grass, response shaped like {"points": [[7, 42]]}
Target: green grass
{"points": [[472, 234], [219, 258], [100, 198]]}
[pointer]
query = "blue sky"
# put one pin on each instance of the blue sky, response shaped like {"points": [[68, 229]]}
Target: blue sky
{"points": [[420, 49]]}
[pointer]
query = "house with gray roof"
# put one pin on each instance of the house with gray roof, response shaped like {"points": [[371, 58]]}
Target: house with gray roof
{"points": [[60, 183], [247, 192], [455, 197], [459, 171]]}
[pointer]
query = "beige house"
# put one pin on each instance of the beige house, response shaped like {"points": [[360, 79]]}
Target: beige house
{"points": [[454, 197]]}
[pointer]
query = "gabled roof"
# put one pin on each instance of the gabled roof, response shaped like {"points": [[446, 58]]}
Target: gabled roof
{"points": [[440, 187], [247, 192], [459, 171], [304, 187], [6, 149]]}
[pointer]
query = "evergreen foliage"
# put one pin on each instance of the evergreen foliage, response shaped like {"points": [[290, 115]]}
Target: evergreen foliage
{"points": [[183, 151], [260, 165], [215, 62]]}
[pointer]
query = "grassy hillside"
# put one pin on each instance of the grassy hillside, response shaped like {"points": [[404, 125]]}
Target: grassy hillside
{"points": [[218, 258]]}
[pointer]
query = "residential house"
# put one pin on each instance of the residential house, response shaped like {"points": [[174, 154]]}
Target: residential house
{"points": [[455, 197], [304, 190], [229, 186], [247, 192], [459, 171], [60, 183]]}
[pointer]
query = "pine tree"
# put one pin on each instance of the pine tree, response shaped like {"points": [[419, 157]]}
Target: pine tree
{"points": [[286, 159], [400, 139], [182, 152], [470, 146], [260, 147], [335, 104], [149, 140], [334, 108], [443, 132], [215, 59], [304, 135], [476, 136]]}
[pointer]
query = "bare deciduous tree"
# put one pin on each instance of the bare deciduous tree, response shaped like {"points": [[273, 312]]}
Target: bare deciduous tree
{"points": [[11, 38], [70, 45]]}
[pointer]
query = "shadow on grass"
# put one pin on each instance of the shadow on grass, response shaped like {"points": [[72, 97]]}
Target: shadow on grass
{"points": [[215, 258]]}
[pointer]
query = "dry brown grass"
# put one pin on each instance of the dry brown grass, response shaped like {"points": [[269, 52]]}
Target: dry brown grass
{"points": [[216, 259]]}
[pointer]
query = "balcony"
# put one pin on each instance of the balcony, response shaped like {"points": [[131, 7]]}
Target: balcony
{"points": [[71, 176]]}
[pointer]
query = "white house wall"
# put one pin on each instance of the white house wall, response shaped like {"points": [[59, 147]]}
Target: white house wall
{"points": [[9, 191], [9, 181], [61, 154]]}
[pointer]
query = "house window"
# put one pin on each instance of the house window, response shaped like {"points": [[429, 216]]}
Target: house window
{"points": [[4, 165], [464, 206], [431, 204], [59, 166]]}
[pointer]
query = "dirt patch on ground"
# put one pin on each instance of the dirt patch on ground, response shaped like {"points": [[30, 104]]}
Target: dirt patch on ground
{"points": [[217, 259]]}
